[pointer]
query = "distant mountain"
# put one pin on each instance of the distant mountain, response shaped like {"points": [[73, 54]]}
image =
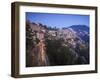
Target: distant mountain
{"points": [[79, 28], [81, 31]]}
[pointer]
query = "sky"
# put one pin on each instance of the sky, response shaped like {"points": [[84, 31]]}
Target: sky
{"points": [[58, 20]]}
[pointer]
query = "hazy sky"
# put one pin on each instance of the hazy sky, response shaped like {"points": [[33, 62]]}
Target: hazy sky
{"points": [[58, 20]]}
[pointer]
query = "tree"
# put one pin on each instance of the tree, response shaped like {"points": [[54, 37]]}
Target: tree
{"points": [[58, 54]]}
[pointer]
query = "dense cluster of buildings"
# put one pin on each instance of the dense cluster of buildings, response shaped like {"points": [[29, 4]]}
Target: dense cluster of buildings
{"points": [[43, 32], [38, 34]]}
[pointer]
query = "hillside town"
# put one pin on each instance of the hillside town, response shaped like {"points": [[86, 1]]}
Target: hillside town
{"points": [[50, 46]]}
